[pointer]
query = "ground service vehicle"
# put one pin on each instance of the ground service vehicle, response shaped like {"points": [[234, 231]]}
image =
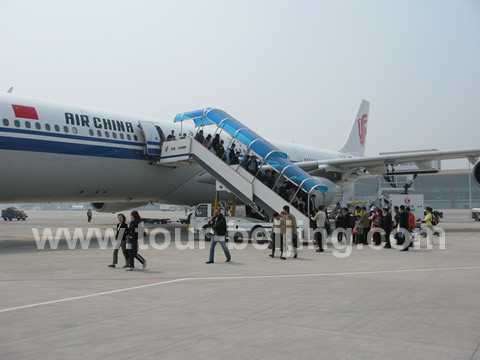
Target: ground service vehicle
{"points": [[13, 213], [238, 227], [476, 214]]}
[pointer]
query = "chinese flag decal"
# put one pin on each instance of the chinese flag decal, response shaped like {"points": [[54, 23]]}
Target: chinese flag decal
{"points": [[26, 112]]}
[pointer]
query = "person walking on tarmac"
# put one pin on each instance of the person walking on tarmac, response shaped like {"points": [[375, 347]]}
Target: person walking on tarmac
{"points": [[121, 237], [320, 218], [89, 215], [289, 230], [277, 241], [387, 226], [403, 227], [365, 225], [132, 241], [377, 222], [219, 225], [412, 224]]}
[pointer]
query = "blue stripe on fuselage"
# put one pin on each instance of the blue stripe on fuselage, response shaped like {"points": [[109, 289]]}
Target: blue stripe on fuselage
{"points": [[67, 136], [51, 146]]}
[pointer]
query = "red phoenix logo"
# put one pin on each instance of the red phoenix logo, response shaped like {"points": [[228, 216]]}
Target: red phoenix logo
{"points": [[407, 201], [166, 148], [362, 128]]}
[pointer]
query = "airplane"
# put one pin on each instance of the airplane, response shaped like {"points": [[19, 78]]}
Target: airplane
{"points": [[57, 152]]}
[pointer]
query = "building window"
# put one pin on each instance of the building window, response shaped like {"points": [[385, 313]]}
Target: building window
{"points": [[17, 123], [57, 128], [38, 126], [47, 127], [6, 122], [65, 128]]}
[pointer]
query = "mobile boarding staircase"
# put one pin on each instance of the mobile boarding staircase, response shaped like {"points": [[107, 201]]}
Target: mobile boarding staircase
{"points": [[244, 185]]}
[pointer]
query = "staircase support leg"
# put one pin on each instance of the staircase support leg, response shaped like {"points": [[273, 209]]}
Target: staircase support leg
{"points": [[215, 202], [234, 206]]}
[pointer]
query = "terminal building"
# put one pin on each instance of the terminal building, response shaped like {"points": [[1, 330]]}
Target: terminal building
{"points": [[447, 189]]}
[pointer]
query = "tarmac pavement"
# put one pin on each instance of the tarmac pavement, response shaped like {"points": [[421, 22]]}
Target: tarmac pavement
{"points": [[373, 304]]}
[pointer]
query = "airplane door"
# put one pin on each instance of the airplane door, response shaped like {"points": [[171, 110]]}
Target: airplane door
{"points": [[153, 141]]}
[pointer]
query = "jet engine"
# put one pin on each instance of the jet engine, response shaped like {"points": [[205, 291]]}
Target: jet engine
{"points": [[476, 172], [114, 207]]}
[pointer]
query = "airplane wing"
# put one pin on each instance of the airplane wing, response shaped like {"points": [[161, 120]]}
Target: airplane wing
{"points": [[372, 163]]}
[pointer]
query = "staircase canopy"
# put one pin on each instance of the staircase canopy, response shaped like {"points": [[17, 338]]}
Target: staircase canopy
{"points": [[273, 156]]}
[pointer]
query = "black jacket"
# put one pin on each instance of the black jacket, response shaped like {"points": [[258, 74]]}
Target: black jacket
{"points": [[234, 160], [125, 232], [133, 231], [219, 225], [404, 223], [283, 192], [348, 221], [387, 222], [215, 143]]}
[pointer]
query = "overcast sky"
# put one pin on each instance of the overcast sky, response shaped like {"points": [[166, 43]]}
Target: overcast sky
{"points": [[292, 70]]}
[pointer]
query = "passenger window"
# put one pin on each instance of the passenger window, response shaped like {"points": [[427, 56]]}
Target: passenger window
{"points": [[107, 134], [17, 123], [135, 137], [38, 126], [6, 122], [201, 211], [74, 130], [65, 128], [114, 135], [99, 133], [28, 125], [91, 132], [47, 127], [121, 136], [57, 128], [129, 137]]}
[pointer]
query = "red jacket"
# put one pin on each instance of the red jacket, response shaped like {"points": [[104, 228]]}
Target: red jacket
{"points": [[411, 221]]}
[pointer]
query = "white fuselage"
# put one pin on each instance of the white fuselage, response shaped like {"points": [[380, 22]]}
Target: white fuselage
{"points": [[77, 154]]}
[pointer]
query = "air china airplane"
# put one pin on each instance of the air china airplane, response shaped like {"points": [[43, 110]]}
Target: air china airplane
{"points": [[55, 152]]}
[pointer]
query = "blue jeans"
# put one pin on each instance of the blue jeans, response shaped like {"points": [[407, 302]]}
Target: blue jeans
{"points": [[213, 243]]}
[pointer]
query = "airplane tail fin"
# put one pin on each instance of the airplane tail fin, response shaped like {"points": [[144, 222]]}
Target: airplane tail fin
{"points": [[355, 143]]}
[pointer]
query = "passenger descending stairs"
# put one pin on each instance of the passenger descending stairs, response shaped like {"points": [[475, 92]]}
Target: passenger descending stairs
{"points": [[234, 177]]}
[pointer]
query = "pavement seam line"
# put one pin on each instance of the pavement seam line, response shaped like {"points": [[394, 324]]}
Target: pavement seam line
{"points": [[90, 295], [236, 278]]}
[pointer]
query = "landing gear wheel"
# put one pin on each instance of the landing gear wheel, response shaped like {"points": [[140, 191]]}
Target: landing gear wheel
{"points": [[259, 234]]}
